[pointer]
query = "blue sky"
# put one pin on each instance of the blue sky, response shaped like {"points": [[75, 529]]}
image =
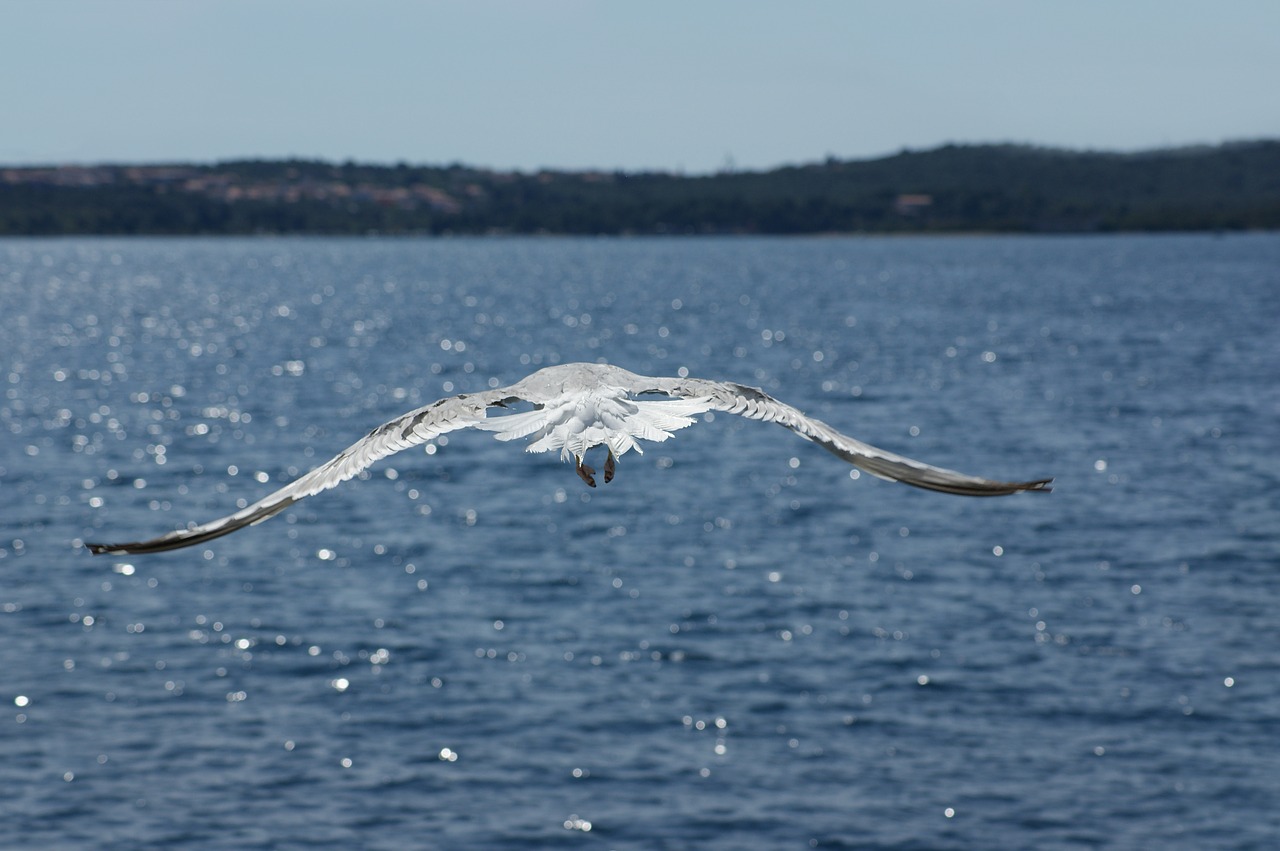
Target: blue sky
{"points": [[689, 86]]}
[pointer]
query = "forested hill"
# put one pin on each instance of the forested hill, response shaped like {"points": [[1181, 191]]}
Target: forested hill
{"points": [[1006, 188]]}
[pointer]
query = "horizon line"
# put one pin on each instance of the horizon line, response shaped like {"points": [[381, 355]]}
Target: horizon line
{"points": [[728, 168]]}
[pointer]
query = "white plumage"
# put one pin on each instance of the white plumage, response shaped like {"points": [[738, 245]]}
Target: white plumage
{"points": [[577, 407], [575, 423]]}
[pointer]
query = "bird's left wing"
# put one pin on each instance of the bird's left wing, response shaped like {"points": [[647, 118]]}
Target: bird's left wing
{"points": [[411, 429], [753, 403]]}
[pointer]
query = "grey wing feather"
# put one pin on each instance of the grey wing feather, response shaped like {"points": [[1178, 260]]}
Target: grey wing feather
{"points": [[755, 404], [411, 429]]}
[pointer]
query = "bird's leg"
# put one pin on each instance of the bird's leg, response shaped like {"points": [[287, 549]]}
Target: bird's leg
{"points": [[609, 466], [587, 474]]}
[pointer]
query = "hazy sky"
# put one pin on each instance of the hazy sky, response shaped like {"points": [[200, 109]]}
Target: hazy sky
{"points": [[690, 85]]}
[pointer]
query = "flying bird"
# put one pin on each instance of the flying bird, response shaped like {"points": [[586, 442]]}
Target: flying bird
{"points": [[577, 407]]}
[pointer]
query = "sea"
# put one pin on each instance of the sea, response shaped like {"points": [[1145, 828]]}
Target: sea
{"points": [[738, 643]]}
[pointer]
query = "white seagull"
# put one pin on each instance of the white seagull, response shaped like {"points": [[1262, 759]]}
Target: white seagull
{"points": [[579, 406]]}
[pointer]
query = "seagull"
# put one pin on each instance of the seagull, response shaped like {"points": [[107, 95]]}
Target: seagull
{"points": [[577, 407]]}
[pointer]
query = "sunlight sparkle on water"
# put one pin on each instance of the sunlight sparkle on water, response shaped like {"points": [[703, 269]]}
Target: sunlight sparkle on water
{"points": [[573, 822], [797, 593]]}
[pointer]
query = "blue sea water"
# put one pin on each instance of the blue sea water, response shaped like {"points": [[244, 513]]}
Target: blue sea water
{"points": [[732, 645]]}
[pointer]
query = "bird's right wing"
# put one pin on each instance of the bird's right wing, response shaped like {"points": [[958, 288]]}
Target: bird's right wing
{"points": [[753, 403], [411, 429]]}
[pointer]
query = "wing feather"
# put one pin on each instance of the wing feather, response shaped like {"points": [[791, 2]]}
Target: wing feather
{"points": [[754, 403], [411, 429]]}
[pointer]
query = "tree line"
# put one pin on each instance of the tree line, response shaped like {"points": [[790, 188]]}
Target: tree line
{"points": [[955, 188]]}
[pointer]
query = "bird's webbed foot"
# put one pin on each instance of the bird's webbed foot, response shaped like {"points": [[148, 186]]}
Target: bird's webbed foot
{"points": [[610, 464], [587, 474]]}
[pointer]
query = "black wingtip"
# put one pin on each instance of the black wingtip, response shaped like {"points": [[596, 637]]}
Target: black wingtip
{"points": [[121, 549], [172, 541], [985, 487], [194, 535]]}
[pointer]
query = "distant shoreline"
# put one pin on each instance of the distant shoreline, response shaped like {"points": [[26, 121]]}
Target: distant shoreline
{"points": [[969, 190], [480, 237]]}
